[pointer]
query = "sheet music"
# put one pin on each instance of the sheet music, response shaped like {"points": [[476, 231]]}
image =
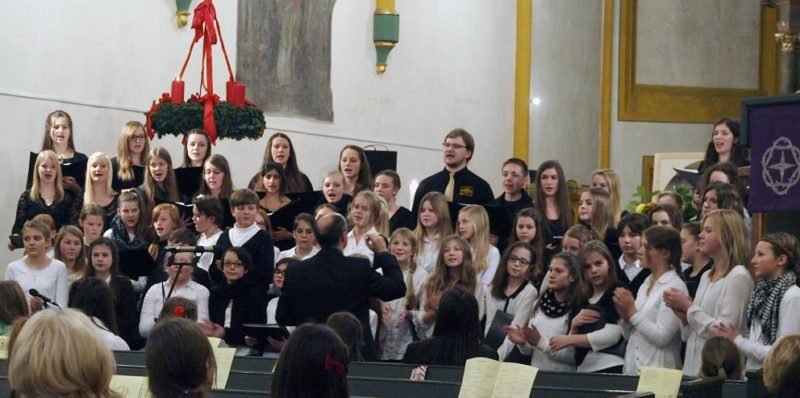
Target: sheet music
{"points": [[664, 383]]}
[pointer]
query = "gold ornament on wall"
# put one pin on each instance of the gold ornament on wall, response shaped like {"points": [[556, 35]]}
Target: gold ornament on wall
{"points": [[182, 14]]}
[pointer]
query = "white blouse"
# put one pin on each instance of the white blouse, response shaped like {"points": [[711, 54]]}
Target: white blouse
{"points": [[359, 247], [724, 301], [430, 251], [754, 351], [653, 333], [50, 281], [425, 330], [522, 302], [290, 253], [154, 302], [542, 357], [207, 258], [493, 261], [396, 338]]}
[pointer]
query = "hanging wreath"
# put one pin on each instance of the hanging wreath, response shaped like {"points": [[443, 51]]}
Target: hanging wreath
{"points": [[236, 118]]}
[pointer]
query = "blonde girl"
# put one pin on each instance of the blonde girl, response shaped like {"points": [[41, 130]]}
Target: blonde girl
{"points": [[98, 185], [334, 193], [608, 180], [774, 309], [398, 314], [36, 270], [69, 249], [473, 226], [724, 292], [596, 211], [160, 184], [365, 213], [453, 268], [132, 149], [47, 195], [433, 224]]}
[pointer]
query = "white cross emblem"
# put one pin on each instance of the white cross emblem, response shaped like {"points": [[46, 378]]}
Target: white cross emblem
{"points": [[779, 166]]}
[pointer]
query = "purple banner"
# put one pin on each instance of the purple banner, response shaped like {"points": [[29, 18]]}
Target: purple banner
{"points": [[774, 158]]}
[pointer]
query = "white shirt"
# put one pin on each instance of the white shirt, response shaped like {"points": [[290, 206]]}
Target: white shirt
{"points": [[751, 347], [724, 301], [430, 251], [522, 302], [599, 340], [631, 270], [425, 330], [154, 301], [113, 341], [239, 236], [396, 338], [653, 333], [293, 251], [360, 247], [541, 357], [207, 258], [493, 261], [50, 281]]}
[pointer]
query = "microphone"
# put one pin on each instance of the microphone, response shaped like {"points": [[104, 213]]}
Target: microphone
{"points": [[45, 299], [191, 249]]}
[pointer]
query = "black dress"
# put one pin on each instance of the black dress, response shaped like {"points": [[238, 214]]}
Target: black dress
{"points": [[125, 308], [693, 282], [249, 306], [64, 212], [118, 185], [402, 218]]}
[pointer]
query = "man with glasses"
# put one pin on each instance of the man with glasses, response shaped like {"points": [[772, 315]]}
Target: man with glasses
{"points": [[456, 182]]}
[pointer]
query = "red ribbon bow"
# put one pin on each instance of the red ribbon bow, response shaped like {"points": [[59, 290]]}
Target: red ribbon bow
{"points": [[179, 311], [204, 16], [331, 363]]}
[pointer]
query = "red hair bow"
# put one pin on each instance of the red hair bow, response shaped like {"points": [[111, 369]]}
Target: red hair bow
{"points": [[331, 363], [179, 311]]}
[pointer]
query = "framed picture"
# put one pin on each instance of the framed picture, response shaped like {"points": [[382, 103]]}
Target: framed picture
{"points": [[675, 169]]}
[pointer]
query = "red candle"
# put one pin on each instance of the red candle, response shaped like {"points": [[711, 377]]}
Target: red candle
{"points": [[235, 93], [177, 91]]}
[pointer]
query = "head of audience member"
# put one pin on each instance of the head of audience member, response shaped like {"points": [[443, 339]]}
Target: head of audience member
{"points": [[331, 231], [782, 366], [630, 228], [670, 198], [60, 354], [244, 207], [724, 145], [458, 326], [196, 148], [185, 369], [666, 215], [179, 307], [574, 239], [458, 149], [94, 298], [235, 264], [313, 363], [349, 329], [721, 358], [15, 305]]}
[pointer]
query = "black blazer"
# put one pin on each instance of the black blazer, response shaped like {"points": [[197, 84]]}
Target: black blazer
{"points": [[260, 249], [249, 306], [330, 282], [126, 311]]}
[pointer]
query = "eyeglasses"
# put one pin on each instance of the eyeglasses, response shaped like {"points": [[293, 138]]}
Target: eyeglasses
{"points": [[181, 264], [233, 264], [447, 145], [280, 272], [137, 138], [521, 261]]}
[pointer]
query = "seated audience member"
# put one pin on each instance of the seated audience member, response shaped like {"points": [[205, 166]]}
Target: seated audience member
{"points": [[330, 282], [60, 354], [181, 265], [457, 335], [313, 364], [179, 307], [348, 328], [782, 367], [238, 300], [387, 185], [15, 305], [94, 298], [721, 358], [245, 233], [37, 271], [180, 361]]}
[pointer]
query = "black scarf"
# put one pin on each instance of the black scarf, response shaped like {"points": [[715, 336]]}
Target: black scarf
{"points": [[765, 305], [551, 307]]}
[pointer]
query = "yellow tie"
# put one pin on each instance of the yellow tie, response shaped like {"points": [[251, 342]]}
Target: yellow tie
{"points": [[451, 185]]}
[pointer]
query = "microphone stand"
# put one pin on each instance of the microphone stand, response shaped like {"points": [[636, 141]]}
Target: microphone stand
{"points": [[170, 257]]}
